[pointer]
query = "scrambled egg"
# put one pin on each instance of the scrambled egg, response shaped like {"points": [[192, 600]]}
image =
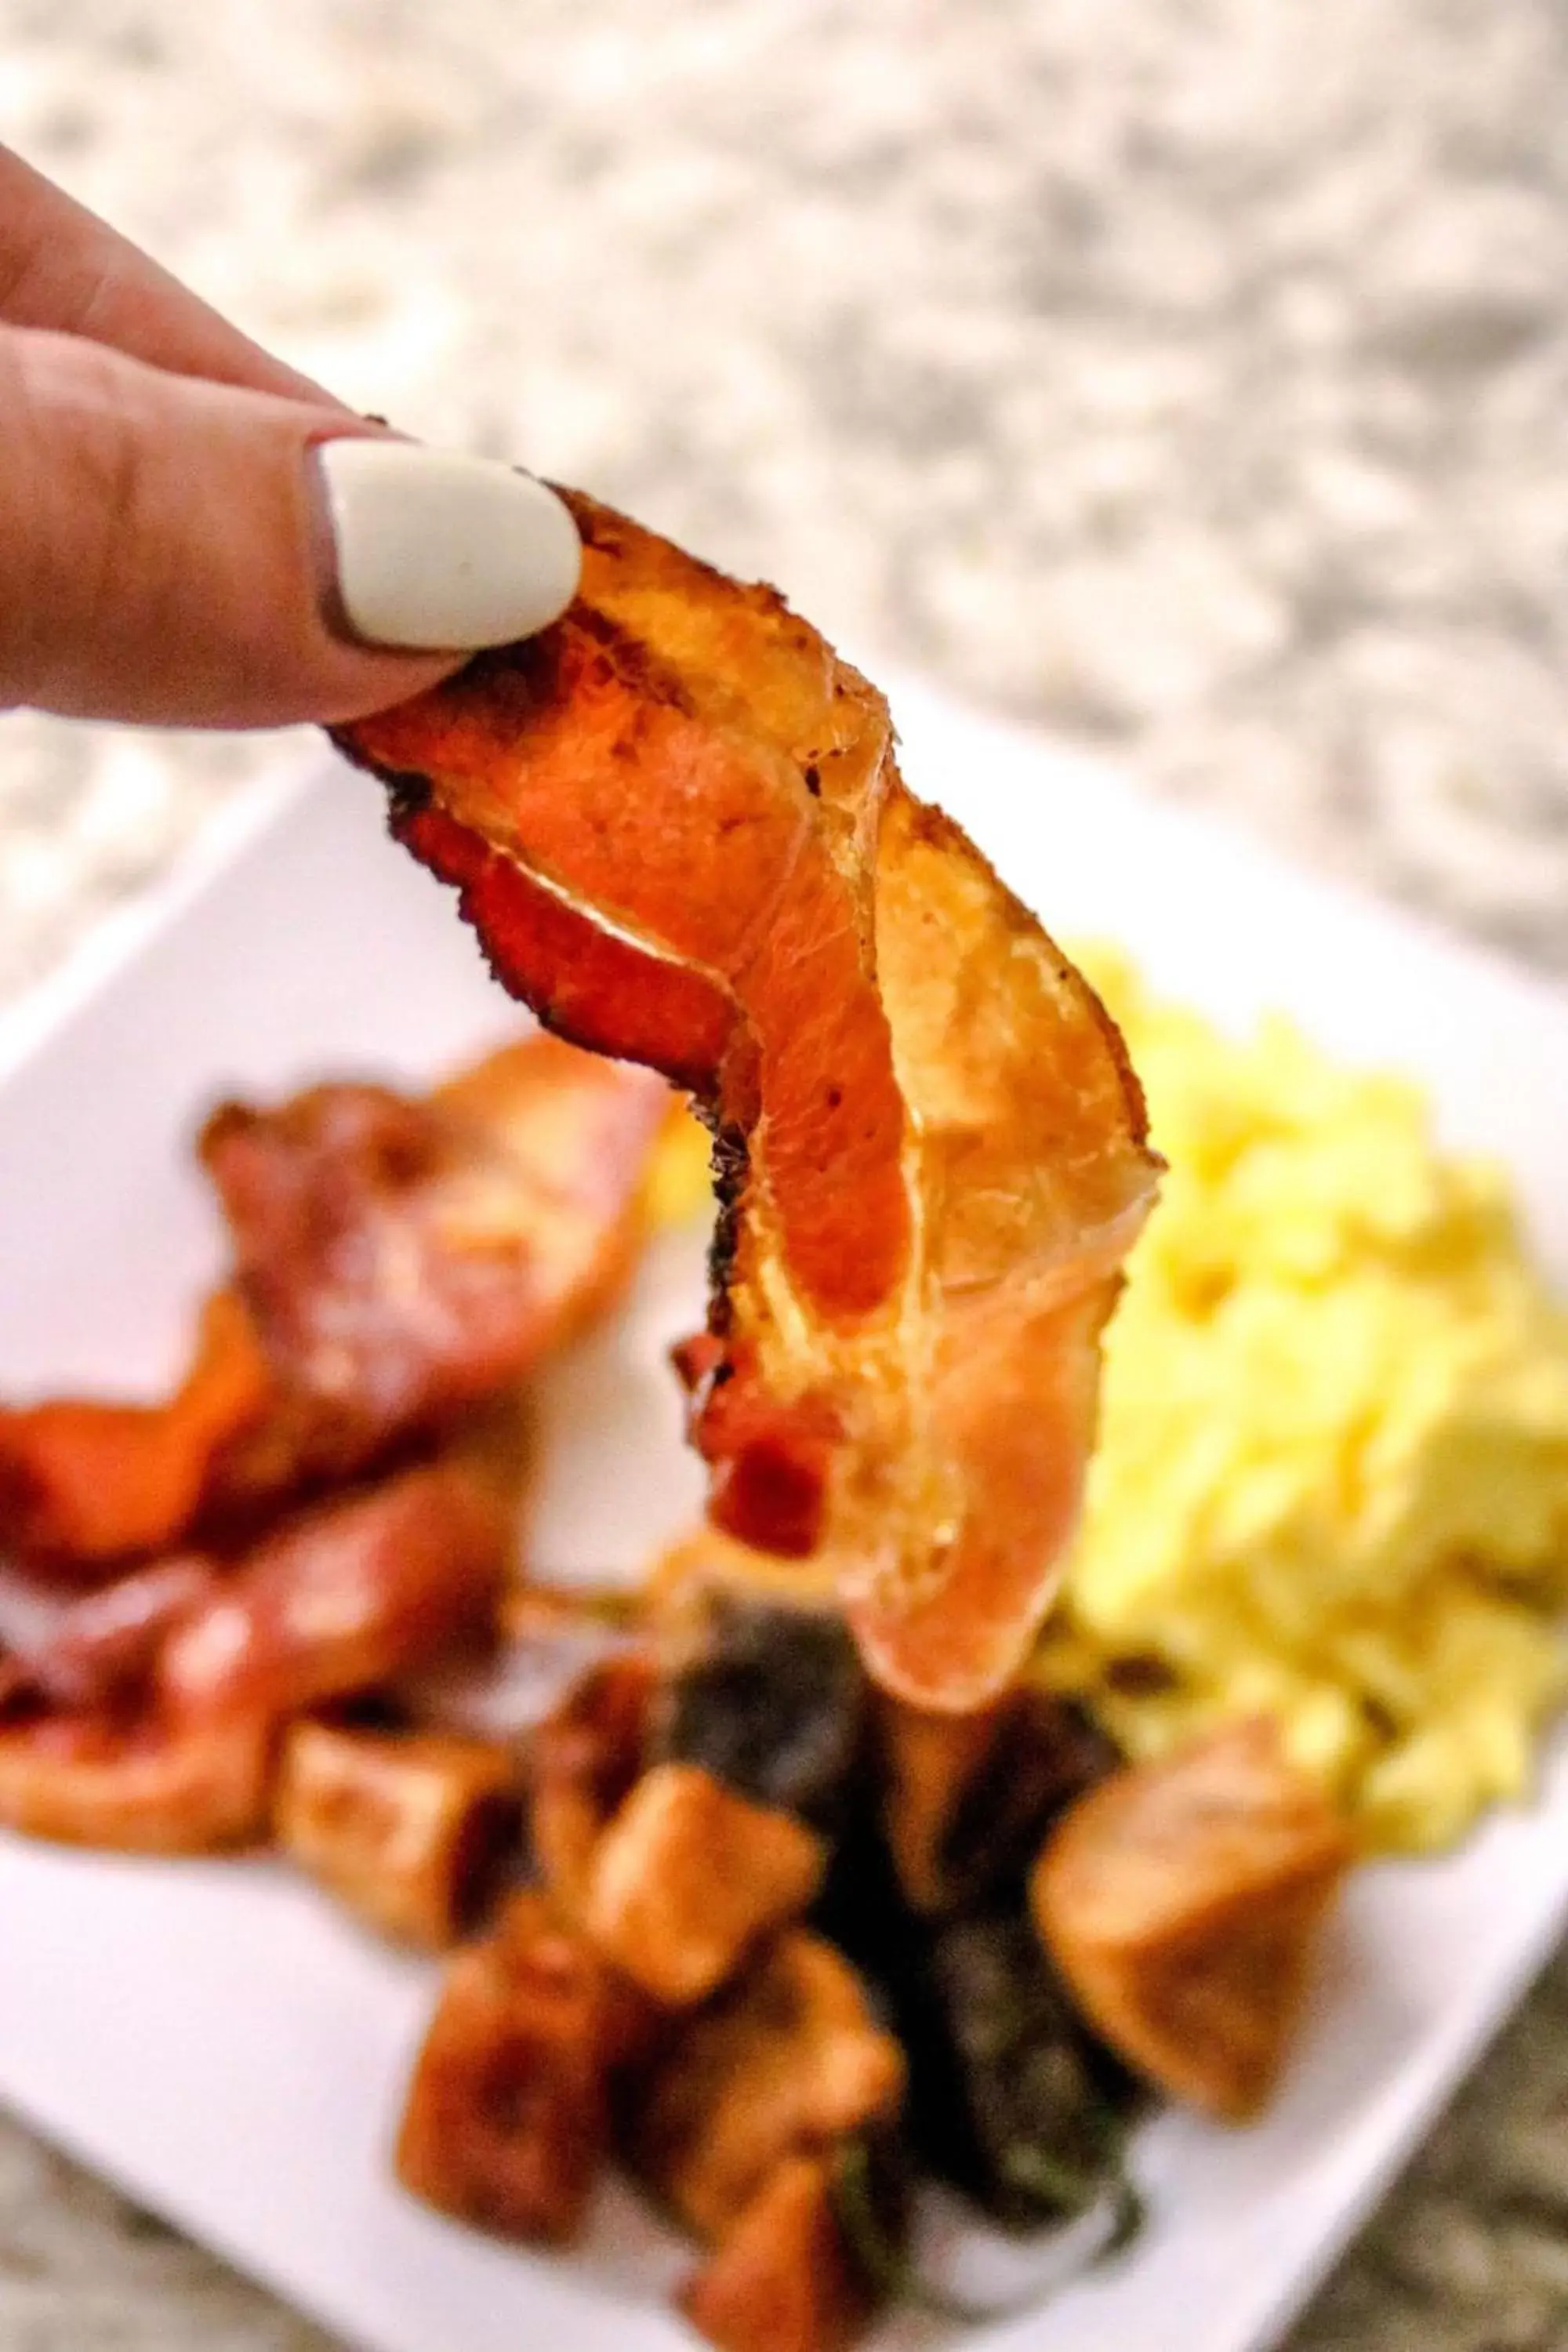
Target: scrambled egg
{"points": [[678, 1187], [1331, 1482], [1333, 1477]]}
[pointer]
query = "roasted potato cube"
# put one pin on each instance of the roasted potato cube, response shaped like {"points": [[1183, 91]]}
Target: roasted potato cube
{"points": [[689, 1876], [783, 2279], [583, 1758], [1182, 1901], [788, 2061], [506, 2118], [408, 1830]]}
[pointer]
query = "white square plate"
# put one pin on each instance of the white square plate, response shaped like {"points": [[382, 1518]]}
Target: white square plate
{"points": [[211, 2035]]}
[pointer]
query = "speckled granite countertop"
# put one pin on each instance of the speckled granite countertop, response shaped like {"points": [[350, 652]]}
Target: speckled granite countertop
{"points": [[1189, 374]]}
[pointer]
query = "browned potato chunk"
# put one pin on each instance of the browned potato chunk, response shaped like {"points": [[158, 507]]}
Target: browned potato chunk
{"points": [[1182, 1900], [785, 2063], [405, 1830], [506, 2118], [689, 1876], [583, 1758], [782, 2280]]}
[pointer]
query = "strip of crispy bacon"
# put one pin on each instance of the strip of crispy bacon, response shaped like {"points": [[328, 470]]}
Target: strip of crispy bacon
{"points": [[144, 1716], [407, 1260], [676, 824], [85, 1483], [145, 1788], [93, 1650], [345, 1596], [401, 1261]]}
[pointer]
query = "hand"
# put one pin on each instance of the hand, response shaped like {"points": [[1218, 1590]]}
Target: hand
{"points": [[192, 535]]}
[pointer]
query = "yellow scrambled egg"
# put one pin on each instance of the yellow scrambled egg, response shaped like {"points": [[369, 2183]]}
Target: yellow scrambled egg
{"points": [[678, 1186], [1332, 1474]]}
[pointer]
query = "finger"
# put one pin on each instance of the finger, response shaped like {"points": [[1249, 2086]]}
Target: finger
{"points": [[62, 268], [189, 553]]}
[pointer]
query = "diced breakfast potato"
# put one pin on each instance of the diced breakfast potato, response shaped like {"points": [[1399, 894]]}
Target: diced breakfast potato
{"points": [[786, 2061], [407, 1828], [687, 1878], [583, 1760], [783, 2279], [1182, 1901], [507, 2118]]}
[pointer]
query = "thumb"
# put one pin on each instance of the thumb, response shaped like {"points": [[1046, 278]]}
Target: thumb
{"points": [[186, 553]]}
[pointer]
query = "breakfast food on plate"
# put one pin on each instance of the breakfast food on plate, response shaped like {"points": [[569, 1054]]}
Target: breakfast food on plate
{"points": [[508, 2118], [398, 1262], [1332, 1484], [790, 1944], [811, 1869], [781, 2278], [676, 823], [85, 1481]]}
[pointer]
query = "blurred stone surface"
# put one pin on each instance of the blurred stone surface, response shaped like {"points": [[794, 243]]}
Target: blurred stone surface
{"points": [[1188, 375]]}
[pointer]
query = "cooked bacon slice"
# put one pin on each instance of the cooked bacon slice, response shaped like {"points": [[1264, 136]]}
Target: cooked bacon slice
{"points": [[401, 1261], [150, 1788], [404, 1259], [345, 1596], [676, 824], [83, 1483], [96, 1650]]}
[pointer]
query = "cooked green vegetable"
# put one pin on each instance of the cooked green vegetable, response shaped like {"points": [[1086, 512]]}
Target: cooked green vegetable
{"points": [[876, 2232], [1047, 1752], [775, 1706], [1018, 2105], [1012, 2098]]}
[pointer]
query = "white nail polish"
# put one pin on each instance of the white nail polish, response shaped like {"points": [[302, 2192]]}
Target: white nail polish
{"points": [[442, 553]]}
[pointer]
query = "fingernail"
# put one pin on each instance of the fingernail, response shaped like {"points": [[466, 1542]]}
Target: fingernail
{"points": [[439, 552]]}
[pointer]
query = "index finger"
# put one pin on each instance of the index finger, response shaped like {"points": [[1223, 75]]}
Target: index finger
{"points": [[63, 268]]}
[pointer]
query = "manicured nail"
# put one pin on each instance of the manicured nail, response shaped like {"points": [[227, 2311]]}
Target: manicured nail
{"points": [[440, 553]]}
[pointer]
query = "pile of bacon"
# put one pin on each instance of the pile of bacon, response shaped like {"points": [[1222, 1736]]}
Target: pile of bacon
{"points": [[330, 1497]]}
